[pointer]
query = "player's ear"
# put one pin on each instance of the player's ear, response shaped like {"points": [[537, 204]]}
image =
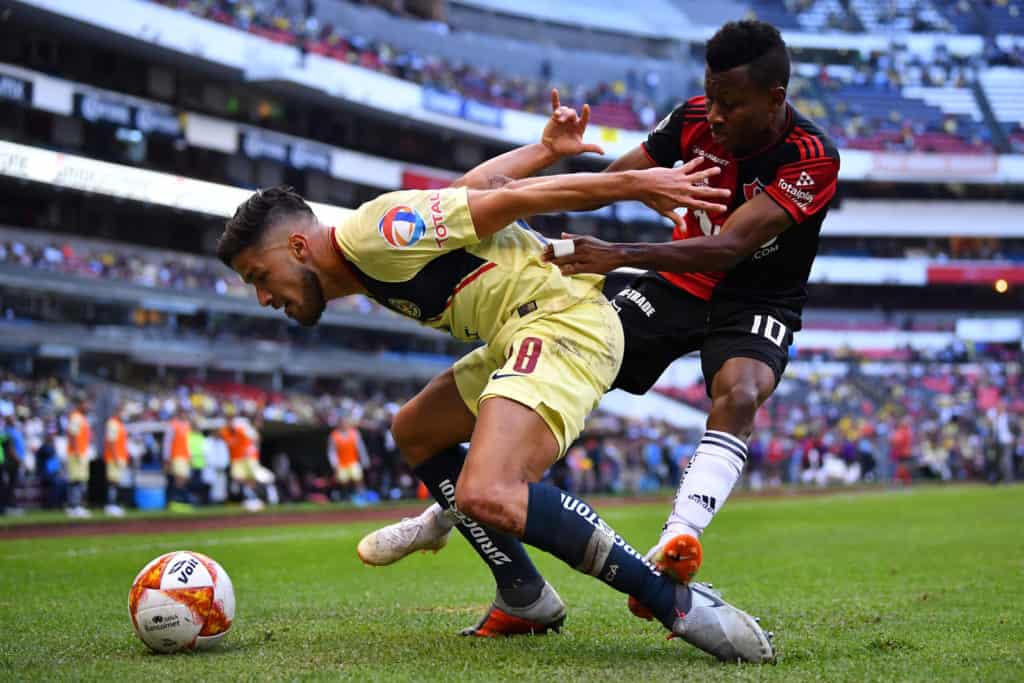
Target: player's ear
{"points": [[777, 96], [298, 245]]}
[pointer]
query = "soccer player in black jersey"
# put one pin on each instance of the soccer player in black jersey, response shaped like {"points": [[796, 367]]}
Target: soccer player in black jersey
{"points": [[730, 284]]}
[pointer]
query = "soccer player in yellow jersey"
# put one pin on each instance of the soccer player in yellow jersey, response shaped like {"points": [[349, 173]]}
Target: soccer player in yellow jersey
{"points": [[462, 260]]}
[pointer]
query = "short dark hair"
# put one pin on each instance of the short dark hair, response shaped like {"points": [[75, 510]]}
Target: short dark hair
{"points": [[754, 44], [254, 216]]}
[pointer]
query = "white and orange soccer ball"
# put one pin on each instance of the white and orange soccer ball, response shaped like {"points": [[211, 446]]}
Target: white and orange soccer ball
{"points": [[181, 601]]}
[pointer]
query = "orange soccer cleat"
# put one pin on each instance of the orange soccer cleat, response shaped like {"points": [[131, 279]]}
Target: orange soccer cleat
{"points": [[546, 613], [679, 558]]}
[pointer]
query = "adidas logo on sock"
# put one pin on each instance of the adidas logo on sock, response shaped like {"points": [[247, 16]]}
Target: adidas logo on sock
{"points": [[706, 502], [804, 180]]}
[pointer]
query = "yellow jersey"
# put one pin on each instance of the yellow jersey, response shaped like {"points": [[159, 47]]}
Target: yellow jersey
{"points": [[417, 253]]}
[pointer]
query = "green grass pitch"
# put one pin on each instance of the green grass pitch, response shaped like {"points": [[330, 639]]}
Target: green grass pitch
{"points": [[925, 584]]}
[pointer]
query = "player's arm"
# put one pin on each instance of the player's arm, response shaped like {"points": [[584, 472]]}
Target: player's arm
{"points": [[364, 454], [562, 137], [781, 205], [332, 452], [635, 159], [168, 437], [662, 189], [753, 224], [660, 149]]}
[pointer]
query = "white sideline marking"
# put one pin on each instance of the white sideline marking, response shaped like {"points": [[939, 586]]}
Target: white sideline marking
{"points": [[194, 545]]}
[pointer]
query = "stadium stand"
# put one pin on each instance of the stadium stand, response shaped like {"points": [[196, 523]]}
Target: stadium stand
{"points": [[508, 76], [95, 308], [891, 100], [832, 422]]}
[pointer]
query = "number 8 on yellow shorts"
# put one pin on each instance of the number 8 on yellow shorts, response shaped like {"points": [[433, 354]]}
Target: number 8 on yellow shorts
{"points": [[559, 365]]}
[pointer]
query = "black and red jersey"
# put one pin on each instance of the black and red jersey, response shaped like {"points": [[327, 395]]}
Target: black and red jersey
{"points": [[798, 170]]}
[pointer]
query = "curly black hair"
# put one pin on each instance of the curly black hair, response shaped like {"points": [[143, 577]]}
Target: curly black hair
{"points": [[254, 216], [754, 44]]}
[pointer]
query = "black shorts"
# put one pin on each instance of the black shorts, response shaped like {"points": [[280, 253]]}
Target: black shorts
{"points": [[662, 323]]}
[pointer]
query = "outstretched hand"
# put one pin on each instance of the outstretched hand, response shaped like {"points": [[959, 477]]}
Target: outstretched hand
{"points": [[563, 134], [666, 189]]}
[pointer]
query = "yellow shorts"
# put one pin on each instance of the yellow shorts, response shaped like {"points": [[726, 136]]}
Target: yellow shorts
{"points": [[115, 470], [558, 365], [349, 473], [78, 469], [181, 468], [242, 470]]}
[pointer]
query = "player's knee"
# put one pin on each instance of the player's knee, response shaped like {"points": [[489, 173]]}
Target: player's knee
{"points": [[487, 504], [408, 436], [739, 402]]}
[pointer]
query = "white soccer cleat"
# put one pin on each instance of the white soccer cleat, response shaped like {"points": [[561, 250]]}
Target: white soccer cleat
{"points": [[387, 545], [114, 510], [718, 628]]}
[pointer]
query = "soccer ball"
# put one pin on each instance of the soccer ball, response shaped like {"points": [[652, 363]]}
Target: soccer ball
{"points": [[181, 601]]}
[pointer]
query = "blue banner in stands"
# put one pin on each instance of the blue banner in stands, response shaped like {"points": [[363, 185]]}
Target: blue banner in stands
{"points": [[258, 145], [456, 106], [16, 89], [152, 120], [481, 113], [94, 108]]}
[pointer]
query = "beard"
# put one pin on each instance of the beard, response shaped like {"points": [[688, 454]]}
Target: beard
{"points": [[313, 300]]}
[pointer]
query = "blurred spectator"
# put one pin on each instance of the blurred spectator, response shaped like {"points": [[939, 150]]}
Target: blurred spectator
{"points": [[115, 455], [51, 476], [347, 456], [79, 453], [179, 460]]}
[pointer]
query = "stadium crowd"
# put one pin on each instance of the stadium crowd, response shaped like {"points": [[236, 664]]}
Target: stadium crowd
{"points": [[939, 420], [145, 267], [628, 103], [859, 95], [892, 422], [870, 110], [185, 272]]}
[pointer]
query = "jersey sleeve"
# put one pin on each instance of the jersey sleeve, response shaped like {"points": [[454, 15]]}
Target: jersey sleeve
{"points": [[393, 236], [805, 187], [662, 144]]}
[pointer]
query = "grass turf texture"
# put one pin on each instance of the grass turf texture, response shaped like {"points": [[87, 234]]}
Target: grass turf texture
{"points": [[909, 585], [59, 517]]}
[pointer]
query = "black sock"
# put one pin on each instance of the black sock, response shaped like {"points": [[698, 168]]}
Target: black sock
{"points": [[518, 580], [570, 530]]}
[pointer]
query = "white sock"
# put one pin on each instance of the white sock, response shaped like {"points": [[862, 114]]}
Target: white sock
{"points": [[706, 483]]}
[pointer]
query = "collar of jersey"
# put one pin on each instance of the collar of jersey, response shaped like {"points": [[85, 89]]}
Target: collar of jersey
{"points": [[344, 259]]}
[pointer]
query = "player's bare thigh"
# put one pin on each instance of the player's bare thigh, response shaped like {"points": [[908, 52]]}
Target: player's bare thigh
{"points": [[511, 446], [433, 420]]}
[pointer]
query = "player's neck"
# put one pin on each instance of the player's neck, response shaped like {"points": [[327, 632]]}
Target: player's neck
{"points": [[337, 277], [772, 134], [778, 124]]}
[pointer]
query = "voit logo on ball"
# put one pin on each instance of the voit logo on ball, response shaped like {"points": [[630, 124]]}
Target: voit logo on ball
{"points": [[401, 227]]}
